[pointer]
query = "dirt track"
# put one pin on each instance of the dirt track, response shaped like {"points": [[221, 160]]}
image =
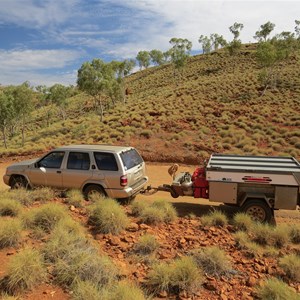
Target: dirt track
{"points": [[158, 174]]}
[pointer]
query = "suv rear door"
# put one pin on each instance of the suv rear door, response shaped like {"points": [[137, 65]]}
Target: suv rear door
{"points": [[134, 166], [78, 169]]}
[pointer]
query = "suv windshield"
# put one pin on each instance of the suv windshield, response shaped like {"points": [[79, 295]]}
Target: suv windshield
{"points": [[131, 158]]}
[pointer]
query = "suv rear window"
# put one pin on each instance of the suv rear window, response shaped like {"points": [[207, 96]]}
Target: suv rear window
{"points": [[106, 161], [78, 161], [131, 158]]}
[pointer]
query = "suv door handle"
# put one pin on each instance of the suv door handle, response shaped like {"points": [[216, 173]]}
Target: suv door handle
{"points": [[59, 172]]}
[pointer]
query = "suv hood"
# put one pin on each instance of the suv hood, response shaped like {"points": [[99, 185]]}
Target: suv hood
{"points": [[22, 164]]}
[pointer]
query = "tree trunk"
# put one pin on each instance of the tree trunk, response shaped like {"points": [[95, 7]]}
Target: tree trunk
{"points": [[4, 137], [23, 131]]}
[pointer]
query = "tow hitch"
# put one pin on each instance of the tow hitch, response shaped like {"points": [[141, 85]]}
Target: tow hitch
{"points": [[149, 190]]}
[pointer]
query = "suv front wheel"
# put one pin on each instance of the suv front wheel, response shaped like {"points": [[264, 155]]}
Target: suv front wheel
{"points": [[94, 190]]}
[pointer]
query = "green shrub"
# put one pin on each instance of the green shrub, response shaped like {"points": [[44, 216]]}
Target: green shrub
{"points": [[8, 297], [275, 289], [9, 207], [159, 277], [262, 234], [291, 266], [25, 270], [126, 290], [75, 198], [83, 290], [43, 194], [181, 274], [212, 260], [146, 244], [170, 213], [84, 264], [137, 207], [215, 218], [45, 217], [152, 215], [280, 236], [22, 195], [10, 232], [108, 217], [295, 234], [185, 275], [243, 221]]}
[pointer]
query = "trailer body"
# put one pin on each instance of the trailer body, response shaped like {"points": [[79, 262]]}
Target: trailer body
{"points": [[235, 179]]}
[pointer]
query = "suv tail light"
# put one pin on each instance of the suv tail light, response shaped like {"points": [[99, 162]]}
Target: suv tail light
{"points": [[123, 180]]}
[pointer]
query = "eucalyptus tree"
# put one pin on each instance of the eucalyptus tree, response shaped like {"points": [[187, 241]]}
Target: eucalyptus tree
{"points": [[98, 79], [157, 57], [143, 58], [206, 43], [6, 114], [217, 41], [264, 32], [180, 52], [23, 97]]}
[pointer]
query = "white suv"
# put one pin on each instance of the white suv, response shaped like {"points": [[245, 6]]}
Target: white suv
{"points": [[114, 171]]}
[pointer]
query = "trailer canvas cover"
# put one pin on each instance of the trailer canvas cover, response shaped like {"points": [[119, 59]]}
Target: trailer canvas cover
{"points": [[255, 169]]}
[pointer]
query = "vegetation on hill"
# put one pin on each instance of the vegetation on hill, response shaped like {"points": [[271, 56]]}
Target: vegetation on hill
{"points": [[242, 99]]}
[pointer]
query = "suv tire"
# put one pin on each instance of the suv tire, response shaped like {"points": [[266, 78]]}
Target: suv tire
{"points": [[92, 190]]}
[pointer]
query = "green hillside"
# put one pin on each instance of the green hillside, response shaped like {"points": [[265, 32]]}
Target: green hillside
{"points": [[216, 106]]}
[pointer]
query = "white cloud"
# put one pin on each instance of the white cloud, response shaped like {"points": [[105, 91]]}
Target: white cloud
{"points": [[36, 59], [36, 14], [18, 66]]}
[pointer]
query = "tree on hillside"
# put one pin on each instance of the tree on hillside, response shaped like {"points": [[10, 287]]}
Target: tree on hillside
{"points": [[121, 69], [157, 57], [23, 105], [269, 55], [235, 29], [297, 29], [235, 45], [205, 41], [180, 53], [143, 58], [6, 114], [97, 78], [217, 41], [58, 94], [167, 56], [264, 32]]}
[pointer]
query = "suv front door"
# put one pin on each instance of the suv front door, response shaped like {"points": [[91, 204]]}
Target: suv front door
{"points": [[48, 170]]}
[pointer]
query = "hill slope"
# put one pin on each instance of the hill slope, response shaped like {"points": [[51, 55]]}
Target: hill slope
{"points": [[215, 106]]}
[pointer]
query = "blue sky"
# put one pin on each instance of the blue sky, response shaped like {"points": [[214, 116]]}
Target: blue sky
{"points": [[46, 41]]}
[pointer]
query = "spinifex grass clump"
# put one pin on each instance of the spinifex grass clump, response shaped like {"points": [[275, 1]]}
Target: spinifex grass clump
{"points": [[243, 221], [275, 289], [9, 207], [181, 274], [212, 260], [126, 290], [75, 198], [157, 212], [26, 269], [108, 217], [75, 258], [291, 265], [45, 217], [146, 245], [215, 218], [10, 232]]}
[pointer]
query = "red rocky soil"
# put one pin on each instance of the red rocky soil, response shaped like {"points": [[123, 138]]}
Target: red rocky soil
{"points": [[176, 240]]}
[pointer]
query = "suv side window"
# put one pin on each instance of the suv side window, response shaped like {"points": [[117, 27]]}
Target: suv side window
{"points": [[53, 160], [78, 161], [106, 161]]}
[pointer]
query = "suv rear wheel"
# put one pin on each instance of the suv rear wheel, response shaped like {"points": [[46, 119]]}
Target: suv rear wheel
{"points": [[93, 189]]}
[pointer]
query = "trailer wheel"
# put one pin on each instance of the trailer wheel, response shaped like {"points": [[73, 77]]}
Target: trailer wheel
{"points": [[258, 210]]}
